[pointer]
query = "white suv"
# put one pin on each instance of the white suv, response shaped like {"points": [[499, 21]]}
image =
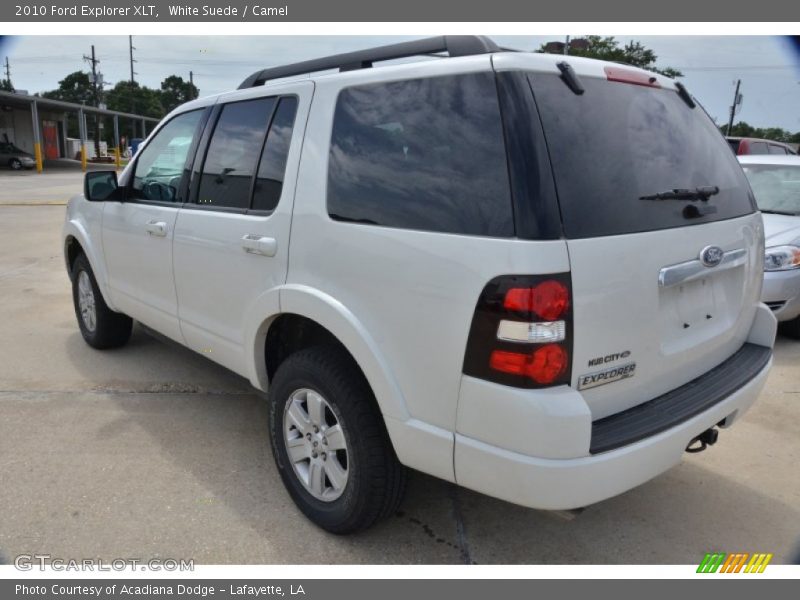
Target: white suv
{"points": [[534, 276]]}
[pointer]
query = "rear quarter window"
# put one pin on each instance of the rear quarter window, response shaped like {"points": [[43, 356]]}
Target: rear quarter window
{"points": [[425, 154]]}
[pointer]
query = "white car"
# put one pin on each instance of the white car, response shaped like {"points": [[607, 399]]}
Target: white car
{"points": [[535, 276], [776, 184]]}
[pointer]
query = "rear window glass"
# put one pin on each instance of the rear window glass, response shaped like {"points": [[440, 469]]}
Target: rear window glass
{"points": [[423, 154], [618, 142]]}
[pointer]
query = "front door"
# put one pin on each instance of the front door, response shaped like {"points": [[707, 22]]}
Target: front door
{"points": [[231, 243], [138, 233]]}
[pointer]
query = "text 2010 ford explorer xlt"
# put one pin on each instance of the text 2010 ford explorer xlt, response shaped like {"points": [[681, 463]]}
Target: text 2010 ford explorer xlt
{"points": [[535, 276]]}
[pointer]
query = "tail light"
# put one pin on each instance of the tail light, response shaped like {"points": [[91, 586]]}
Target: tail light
{"points": [[623, 75], [521, 333]]}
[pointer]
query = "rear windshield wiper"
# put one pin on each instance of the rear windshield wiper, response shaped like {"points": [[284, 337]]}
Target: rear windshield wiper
{"points": [[698, 193], [778, 212]]}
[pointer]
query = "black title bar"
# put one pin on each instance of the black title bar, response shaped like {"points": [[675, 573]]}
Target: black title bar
{"points": [[409, 10]]}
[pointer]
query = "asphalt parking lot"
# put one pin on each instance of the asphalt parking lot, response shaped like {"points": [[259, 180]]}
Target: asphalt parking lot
{"points": [[152, 451]]}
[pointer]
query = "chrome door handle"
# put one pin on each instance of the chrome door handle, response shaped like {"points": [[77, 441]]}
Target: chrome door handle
{"points": [[256, 244], [156, 228]]}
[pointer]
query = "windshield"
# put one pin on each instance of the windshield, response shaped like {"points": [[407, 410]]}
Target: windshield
{"points": [[777, 187], [617, 143]]}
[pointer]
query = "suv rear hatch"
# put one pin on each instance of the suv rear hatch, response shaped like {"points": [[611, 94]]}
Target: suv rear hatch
{"points": [[642, 295]]}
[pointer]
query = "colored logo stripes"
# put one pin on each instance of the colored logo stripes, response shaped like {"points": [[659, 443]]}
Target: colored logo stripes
{"points": [[739, 562]]}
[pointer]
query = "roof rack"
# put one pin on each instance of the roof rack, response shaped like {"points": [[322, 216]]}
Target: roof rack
{"points": [[453, 45]]}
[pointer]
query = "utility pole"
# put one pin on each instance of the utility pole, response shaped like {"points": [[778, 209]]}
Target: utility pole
{"points": [[737, 100], [133, 80], [566, 46], [191, 85], [8, 74], [96, 94], [131, 48]]}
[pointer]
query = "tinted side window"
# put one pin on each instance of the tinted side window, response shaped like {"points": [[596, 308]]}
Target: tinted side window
{"points": [[775, 149], [271, 168], [232, 153], [734, 144], [422, 154], [161, 163], [758, 148]]}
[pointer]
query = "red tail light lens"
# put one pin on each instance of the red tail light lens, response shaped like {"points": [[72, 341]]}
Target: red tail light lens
{"points": [[521, 332], [544, 365], [549, 300]]}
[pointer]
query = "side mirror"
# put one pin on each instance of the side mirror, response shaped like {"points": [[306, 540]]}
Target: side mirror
{"points": [[100, 185]]}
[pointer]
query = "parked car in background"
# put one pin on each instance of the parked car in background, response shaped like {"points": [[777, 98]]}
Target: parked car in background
{"points": [[744, 146], [776, 184], [14, 157]]}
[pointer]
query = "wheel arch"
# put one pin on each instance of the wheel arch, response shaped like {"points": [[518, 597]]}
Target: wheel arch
{"points": [[325, 316], [76, 241]]}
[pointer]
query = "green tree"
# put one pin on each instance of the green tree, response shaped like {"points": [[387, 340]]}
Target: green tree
{"points": [[778, 134], [175, 91], [131, 97], [5, 85], [75, 87], [633, 53]]}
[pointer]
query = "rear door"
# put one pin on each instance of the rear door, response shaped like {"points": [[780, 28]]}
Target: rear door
{"points": [[642, 292], [231, 241]]}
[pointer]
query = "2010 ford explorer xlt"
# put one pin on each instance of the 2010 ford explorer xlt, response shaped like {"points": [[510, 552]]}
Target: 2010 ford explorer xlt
{"points": [[535, 276]]}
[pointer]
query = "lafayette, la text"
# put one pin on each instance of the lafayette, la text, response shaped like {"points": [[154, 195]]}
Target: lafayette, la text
{"points": [[252, 591]]}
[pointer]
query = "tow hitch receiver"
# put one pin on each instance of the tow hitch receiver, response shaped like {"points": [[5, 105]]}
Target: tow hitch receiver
{"points": [[703, 441]]}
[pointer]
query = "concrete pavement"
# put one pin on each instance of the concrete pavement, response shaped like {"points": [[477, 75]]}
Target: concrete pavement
{"points": [[55, 185], [154, 451]]}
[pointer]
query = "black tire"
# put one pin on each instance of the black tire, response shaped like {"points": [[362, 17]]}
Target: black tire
{"points": [[375, 478], [15, 164], [111, 329], [791, 328]]}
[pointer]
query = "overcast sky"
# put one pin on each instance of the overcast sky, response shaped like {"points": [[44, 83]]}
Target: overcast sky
{"points": [[768, 66]]}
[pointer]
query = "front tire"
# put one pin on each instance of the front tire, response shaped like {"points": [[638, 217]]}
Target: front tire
{"points": [[330, 443], [100, 326], [15, 164]]}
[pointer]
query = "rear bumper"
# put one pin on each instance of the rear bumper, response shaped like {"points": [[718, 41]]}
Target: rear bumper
{"points": [[542, 450], [573, 483]]}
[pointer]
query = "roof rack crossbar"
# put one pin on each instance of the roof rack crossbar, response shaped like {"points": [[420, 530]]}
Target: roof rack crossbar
{"points": [[452, 45]]}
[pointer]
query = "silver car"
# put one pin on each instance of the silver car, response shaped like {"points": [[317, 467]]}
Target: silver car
{"points": [[14, 157], [776, 184]]}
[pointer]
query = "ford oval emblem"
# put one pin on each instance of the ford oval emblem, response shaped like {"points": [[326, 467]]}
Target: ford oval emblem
{"points": [[711, 256]]}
